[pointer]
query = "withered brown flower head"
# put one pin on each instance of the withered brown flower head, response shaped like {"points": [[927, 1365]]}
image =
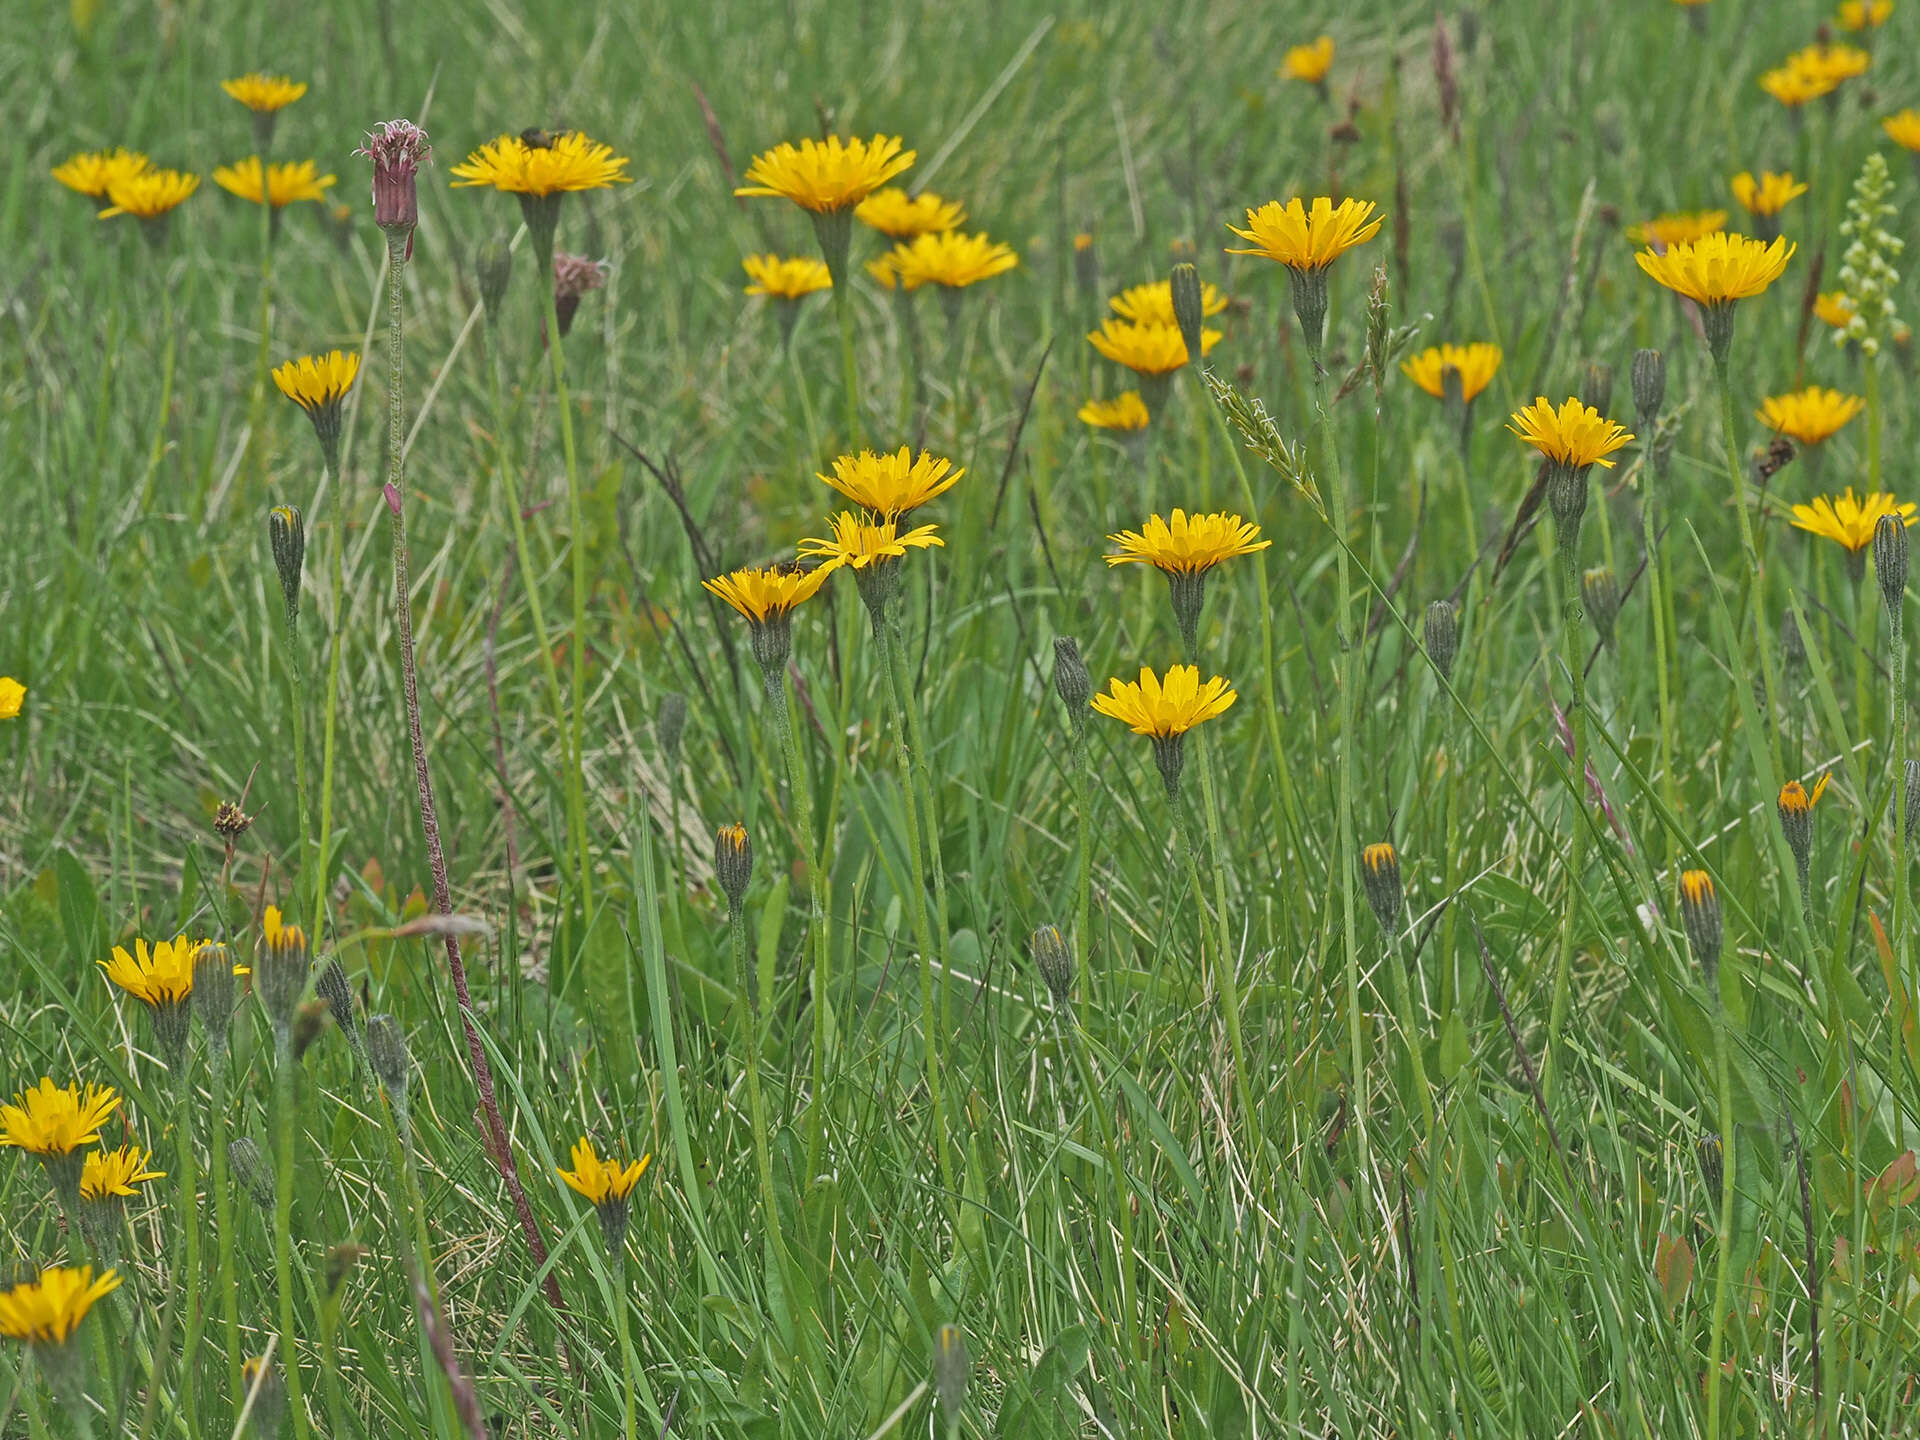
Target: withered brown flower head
{"points": [[230, 822]]}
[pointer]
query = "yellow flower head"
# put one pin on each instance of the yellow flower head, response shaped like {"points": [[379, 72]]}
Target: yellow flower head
{"points": [[1795, 85], [603, 1180], [287, 181], [881, 269], [1810, 415], [1903, 129], [1665, 231], [1147, 349], [160, 977], [1718, 269], [1307, 237], [1165, 708], [950, 258], [571, 162], [49, 1120], [1847, 520], [1188, 544], [314, 382], [1308, 62], [1380, 858], [1832, 63], [108, 1173], [1769, 194], [1152, 304], [12, 695], [264, 94], [895, 213], [1476, 363], [1126, 411], [768, 593], [148, 194], [860, 540], [1696, 887], [827, 175], [1834, 308], [785, 279], [92, 172], [893, 483], [1575, 435], [278, 934], [48, 1310], [1795, 800], [1863, 14]]}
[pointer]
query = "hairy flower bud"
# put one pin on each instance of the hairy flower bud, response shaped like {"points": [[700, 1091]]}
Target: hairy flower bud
{"points": [[1442, 636], [287, 531], [214, 994], [1649, 388], [1890, 565], [250, 1169], [1602, 590], [1380, 875], [670, 724], [1188, 310], [494, 266], [1700, 917], [733, 862], [1598, 389], [387, 1057], [1054, 960]]}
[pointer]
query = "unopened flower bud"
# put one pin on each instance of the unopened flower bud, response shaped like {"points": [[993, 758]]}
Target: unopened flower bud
{"points": [[1188, 311], [330, 984], [494, 267], [309, 1020], [670, 725], [1071, 682], [733, 862], [1054, 960], [1602, 590], [1380, 874], [1649, 388], [250, 1169], [1442, 636], [262, 1384], [1700, 917], [214, 993], [1598, 390], [387, 1057], [280, 972], [1712, 1164], [1890, 564], [952, 1369], [287, 530], [1796, 823], [1913, 798]]}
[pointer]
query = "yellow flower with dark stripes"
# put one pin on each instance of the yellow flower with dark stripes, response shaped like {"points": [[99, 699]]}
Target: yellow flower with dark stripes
{"points": [[159, 977], [1146, 349], [900, 216], [1848, 521], [110, 1173], [1152, 303], [892, 483], [288, 181], [1475, 363], [148, 194], [780, 278], [1810, 415], [1165, 707], [1125, 411], [49, 1119], [1186, 544], [47, 1310], [1305, 236], [572, 161], [827, 175], [92, 173], [263, 94], [1576, 435]]}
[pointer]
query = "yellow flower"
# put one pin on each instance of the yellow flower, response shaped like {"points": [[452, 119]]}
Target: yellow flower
{"points": [[1126, 411], [1834, 308], [1847, 520], [1809, 415], [108, 1173], [881, 269], [264, 93], [162, 976], [1832, 63], [91, 173], [827, 175], [1147, 349], [278, 934], [1863, 14], [1379, 858], [949, 258], [783, 279], [1718, 269], [1187, 545], [1903, 129], [770, 592], [1665, 231], [1307, 238], [48, 1120], [148, 194], [1696, 887], [572, 162], [1308, 62], [892, 484], [1082, 242], [1152, 304], [893, 212], [48, 1310], [1769, 194], [1476, 363], [861, 540], [287, 181], [603, 1180], [314, 382], [1795, 799], [1575, 435], [12, 695], [1794, 85], [1165, 708]]}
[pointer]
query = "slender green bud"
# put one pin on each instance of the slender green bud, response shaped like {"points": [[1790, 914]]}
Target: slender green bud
{"points": [[1071, 681], [280, 975], [494, 266], [214, 994], [952, 1369], [387, 1057], [1054, 960], [733, 863], [287, 529], [1649, 388], [1700, 917], [1380, 875], [1890, 565], [1602, 590], [1712, 1163], [1188, 307], [670, 725], [1913, 798], [1442, 636], [250, 1169]]}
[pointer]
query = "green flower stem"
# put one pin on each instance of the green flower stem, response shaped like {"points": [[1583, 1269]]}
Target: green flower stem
{"points": [[1723, 1258], [922, 765], [219, 1064], [917, 899], [1763, 641], [1226, 969], [297, 699], [189, 1178], [622, 1302], [770, 1222], [849, 371], [1403, 1001], [576, 518], [1083, 869], [1068, 1024], [285, 1122], [330, 722], [168, 348], [819, 906], [1902, 900], [1659, 596], [806, 399], [1571, 616]]}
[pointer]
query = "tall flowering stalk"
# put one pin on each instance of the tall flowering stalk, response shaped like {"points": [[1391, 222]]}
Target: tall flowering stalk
{"points": [[214, 994], [279, 980], [1867, 278], [398, 149], [265, 96]]}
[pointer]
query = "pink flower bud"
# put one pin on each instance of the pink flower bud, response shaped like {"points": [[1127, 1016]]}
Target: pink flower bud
{"points": [[393, 497], [397, 148]]}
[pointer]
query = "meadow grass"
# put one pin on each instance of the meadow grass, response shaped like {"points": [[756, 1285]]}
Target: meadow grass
{"points": [[1508, 1166]]}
